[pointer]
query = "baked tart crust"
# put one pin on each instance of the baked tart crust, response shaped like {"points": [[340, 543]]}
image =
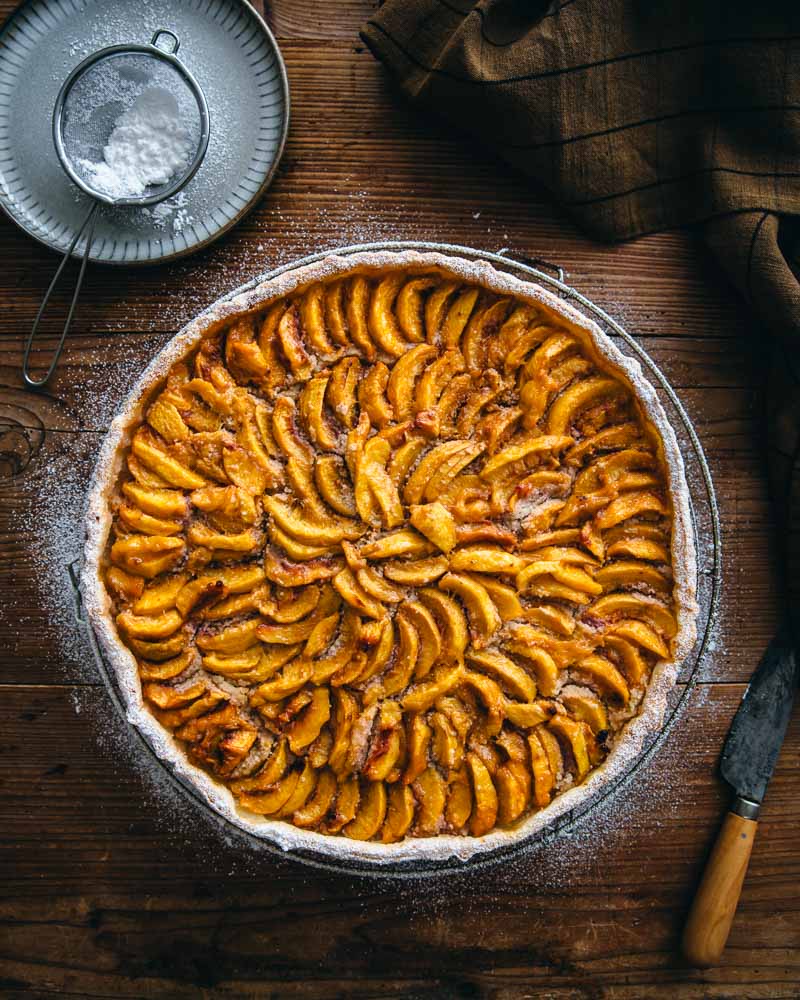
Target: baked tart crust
{"points": [[392, 557]]}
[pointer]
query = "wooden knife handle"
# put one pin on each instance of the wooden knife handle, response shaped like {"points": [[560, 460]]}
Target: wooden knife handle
{"points": [[716, 900]]}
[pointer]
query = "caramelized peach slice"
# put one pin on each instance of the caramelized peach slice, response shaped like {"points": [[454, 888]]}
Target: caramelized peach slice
{"points": [[314, 810], [448, 749], [357, 297], [342, 387], [403, 378], [292, 677], [344, 715], [509, 674], [641, 634], [587, 708], [544, 666], [165, 467], [397, 678], [417, 572], [486, 559], [386, 744], [356, 596], [234, 638], [269, 802], [573, 738], [459, 800], [484, 812], [484, 617], [543, 778], [331, 531], [160, 596], [371, 813], [436, 376], [430, 792], [399, 814], [313, 321], [405, 542], [312, 412], [166, 420], [383, 326], [335, 319], [147, 555], [424, 695], [604, 675], [159, 652], [168, 670], [436, 523], [126, 586], [528, 715], [330, 480], [504, 597], [290, 340], [612, 607], [578, 397], [418, 738], [630, 573], [150, 627], [376, 455], [629, 505], [346, 806], [372, 395], [430, 639], [451, 620], [512, 783], [427, 466], [303, 790], [307, 726], [531, 447], [156, 502]]}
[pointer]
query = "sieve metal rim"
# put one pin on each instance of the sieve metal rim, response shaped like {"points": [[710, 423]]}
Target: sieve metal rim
{"points": [[170, 58]]}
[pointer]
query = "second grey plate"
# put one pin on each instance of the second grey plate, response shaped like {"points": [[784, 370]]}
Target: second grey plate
{"points": [[234, 58]]}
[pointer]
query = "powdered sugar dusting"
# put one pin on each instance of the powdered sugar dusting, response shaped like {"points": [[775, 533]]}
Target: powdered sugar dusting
{"points": [[56, 484], [148, 146]]}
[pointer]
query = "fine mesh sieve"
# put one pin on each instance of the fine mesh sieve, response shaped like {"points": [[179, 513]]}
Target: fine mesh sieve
{"points": [[95, 99]]}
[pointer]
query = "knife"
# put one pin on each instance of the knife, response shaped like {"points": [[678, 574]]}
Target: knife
{"points": [[748, 760]]}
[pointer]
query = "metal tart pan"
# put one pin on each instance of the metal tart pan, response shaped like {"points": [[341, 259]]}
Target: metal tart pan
{"points": [[707, 537]]}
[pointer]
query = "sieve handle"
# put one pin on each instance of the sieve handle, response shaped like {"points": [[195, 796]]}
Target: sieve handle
{"points": [[175, 42], [89, 222]]}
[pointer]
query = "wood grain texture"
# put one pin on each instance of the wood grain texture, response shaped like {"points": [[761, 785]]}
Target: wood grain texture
{"points": [[130, 893], [110, 884]]}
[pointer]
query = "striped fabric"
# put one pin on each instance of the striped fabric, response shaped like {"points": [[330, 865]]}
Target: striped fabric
{"points": [[638, 117]]}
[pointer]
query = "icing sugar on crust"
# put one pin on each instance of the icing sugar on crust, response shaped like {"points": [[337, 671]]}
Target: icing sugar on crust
{"points": [[630, 738]]}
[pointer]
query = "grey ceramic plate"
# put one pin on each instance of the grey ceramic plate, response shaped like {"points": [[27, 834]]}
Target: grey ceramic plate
{"points": [[234, 58]]}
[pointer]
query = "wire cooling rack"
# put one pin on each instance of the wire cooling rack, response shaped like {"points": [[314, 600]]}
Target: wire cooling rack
{"points": [[707, 535]]}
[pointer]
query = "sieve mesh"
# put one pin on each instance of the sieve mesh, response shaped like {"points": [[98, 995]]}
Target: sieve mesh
{"points": [[130, 127], [100, 94]]}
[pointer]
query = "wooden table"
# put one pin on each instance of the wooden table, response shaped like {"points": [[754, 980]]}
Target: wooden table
{"points": [[110, 886]]}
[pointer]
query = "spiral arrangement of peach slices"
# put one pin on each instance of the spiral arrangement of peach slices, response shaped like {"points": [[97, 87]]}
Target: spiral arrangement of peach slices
{"points": [[393, 557]]}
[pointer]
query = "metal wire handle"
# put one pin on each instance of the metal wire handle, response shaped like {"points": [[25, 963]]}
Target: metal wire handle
{"points": [[89, 222]]}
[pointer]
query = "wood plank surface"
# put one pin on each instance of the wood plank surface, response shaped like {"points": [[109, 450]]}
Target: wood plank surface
{"points": [[130, 893], [111, 884]]}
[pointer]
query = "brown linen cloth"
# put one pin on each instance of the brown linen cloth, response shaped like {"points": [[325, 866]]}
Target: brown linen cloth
{"points": [[640, 116]]}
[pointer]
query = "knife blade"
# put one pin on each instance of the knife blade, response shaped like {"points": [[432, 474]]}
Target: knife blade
{"points": [[759, 726], [748, 760]]}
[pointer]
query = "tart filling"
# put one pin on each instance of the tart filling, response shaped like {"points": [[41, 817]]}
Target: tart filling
{"points": [[397, 550]]}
